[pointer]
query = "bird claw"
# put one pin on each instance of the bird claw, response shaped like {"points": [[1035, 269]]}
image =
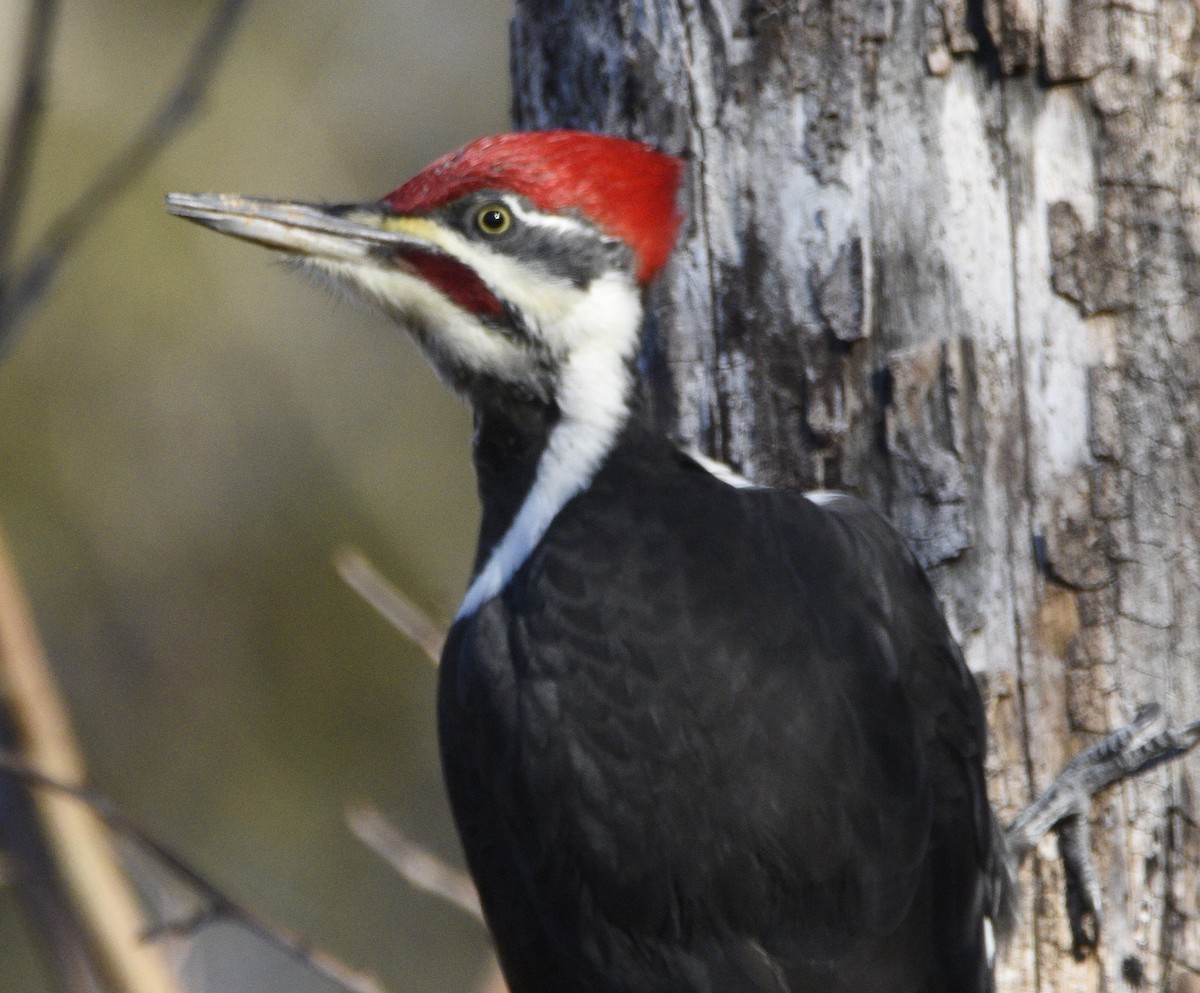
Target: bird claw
{"points": [[1063, 808], [1132, 749], [1082, 884]]}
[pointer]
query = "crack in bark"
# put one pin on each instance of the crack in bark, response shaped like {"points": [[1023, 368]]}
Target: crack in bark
{"points": [[717, 425]]}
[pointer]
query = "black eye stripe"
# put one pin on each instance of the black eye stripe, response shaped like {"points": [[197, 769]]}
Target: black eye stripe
{"points": [[574, 251]]}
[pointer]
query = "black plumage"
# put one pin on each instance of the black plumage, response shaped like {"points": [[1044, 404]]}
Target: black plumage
{"points": [[718, 739], [698, 738]]}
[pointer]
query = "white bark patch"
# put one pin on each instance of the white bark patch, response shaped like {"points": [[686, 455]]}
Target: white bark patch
{"points": [[975, 223]]}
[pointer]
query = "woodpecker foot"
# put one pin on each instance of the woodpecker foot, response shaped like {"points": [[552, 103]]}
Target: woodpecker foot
{"points": [[1063, 808], [1082, 884]]}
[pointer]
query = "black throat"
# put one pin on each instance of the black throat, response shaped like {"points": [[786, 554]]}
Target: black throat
{"points": [[510, 435]]}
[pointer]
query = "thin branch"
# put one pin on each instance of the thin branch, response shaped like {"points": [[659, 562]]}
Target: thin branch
{"points": [[425, 871], [220, 906], [44, 260], [183, 927], [23, 129], [95, 881], [419, 866], [28, 866], [396, 608]]}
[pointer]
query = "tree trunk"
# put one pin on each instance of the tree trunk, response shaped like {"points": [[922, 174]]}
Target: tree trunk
{"points": [[944, 255]]}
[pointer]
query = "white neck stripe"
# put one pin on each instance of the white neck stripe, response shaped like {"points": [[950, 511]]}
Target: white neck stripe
{"points": [[724, 472], [593, 394], [566, 468]]}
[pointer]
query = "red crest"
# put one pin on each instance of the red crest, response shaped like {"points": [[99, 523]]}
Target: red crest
{"points": [[625, 187]]}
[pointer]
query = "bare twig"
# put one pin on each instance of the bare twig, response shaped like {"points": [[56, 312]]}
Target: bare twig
{"points": [[425, 871], [27, 865], [396, 608], [220, 906], [22, 130], [96, 883], [419, 866], [37, 272]]}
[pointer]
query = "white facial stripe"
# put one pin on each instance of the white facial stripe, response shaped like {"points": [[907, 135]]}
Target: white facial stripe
{"points": [[593, 334], [559, 223], [550, 300], [455, 338], [594, 384], [558, 307], [989, 940]]}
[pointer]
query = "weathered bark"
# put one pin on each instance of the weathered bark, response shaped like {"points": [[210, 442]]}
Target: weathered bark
{"points": [[944, 254]]}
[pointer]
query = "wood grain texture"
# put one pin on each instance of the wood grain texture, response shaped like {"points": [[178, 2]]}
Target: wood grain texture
{"points": [[944, 255]]}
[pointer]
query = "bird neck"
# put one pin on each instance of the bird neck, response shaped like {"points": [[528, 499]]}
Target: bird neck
{"points": [[510, 438], [531, 457]]}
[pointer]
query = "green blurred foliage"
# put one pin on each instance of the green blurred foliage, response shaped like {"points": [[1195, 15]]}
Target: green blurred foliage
{"points": [[187, 431]]}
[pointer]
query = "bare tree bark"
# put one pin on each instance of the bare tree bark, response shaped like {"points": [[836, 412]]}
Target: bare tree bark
{"points": [[944, 253]]}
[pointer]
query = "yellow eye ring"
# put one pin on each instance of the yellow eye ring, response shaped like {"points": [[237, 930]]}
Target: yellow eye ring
{"points": [[494, 219]]}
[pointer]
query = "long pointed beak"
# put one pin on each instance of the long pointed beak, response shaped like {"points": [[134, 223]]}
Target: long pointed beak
{"points": [[349, 234]]}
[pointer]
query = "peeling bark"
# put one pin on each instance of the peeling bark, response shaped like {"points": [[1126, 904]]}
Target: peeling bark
{"points": [[944, 254]]}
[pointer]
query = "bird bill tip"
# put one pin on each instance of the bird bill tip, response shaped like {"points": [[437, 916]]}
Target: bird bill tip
{"points": [[208, 206], [295, 228], [224, 212]]}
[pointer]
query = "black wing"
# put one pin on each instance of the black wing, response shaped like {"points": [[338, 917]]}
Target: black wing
{"points": [[719, 739]]}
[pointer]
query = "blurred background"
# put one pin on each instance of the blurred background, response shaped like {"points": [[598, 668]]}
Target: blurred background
{"points": [[187, 433]]}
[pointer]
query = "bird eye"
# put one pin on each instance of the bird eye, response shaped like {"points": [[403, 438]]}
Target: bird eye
{"points": [[493, 219]]}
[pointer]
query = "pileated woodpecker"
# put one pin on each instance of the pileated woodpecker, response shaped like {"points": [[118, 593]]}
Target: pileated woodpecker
{"points": [[699, 736]]}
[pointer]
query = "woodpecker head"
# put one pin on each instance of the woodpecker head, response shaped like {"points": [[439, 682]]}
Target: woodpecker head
{"points": [[517, 261]]}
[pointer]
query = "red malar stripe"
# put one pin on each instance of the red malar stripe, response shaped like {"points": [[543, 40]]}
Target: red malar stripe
{"points": [[456, 281]]}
